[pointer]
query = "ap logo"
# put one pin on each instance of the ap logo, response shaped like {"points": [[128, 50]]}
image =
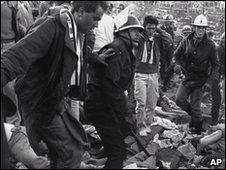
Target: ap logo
{"points": [[215, 162]]}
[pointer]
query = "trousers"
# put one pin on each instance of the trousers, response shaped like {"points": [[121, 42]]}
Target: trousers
{"points": [[108, 125], [193, 108], [146, 95]]}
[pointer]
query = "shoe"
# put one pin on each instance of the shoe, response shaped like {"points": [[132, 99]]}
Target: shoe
{"points": [[191, 124], [197, 128]]}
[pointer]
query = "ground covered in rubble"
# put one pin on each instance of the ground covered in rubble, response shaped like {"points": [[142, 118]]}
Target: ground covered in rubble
{"points": [[168, 144]]}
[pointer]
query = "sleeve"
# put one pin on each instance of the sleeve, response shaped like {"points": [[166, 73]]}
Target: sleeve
{"points": [[166, 39], [16, 60], [179, 52], [92, 57], [221, 55], [215, 65]]}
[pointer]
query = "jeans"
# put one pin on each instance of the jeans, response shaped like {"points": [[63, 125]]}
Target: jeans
{"points": [[194, 107], [216, 100], [146, 95], [9, 91]]}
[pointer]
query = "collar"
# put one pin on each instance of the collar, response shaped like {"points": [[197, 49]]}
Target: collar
{"points": [[72, 35]]}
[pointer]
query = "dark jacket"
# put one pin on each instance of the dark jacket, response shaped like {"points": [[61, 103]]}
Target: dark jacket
{"points": [[197, 60], [167, 54], [45, 60], [162, 41], [221, 55], [169, 30], [107, 84]]}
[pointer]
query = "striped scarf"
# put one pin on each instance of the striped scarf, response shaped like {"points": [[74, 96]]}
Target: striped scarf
{"points": [[78, 43], [145, 57]]}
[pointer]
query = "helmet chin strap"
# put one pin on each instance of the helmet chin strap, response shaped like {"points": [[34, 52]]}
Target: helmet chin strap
{"points": [[129, 39]]}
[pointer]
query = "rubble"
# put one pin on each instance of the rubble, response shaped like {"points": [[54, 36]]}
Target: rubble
{"points": [[174, 135], [166, 123], [187, 150]]}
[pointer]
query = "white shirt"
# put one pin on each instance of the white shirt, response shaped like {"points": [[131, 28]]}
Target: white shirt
{"points": [[104, 33]]}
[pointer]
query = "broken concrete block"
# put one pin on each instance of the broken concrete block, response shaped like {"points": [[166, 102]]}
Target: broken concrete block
{"points": [[140, 157], [175, 135], [129, 140], [187, 150], [148, 163]]}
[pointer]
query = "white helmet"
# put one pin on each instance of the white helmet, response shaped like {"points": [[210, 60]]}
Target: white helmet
{"points": [[168, 18], [201, 21], [186, 29], [132, 22]]}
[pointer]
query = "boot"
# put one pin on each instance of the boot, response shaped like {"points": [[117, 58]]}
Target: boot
{"points": [[191, 124], [197, 128]]}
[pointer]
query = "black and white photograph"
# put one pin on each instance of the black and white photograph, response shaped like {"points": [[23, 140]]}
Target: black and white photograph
{"points": [[112, 84]]}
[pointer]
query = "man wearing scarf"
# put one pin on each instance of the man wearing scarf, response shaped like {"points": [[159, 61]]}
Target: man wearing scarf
{"points": [[48, 61], [147, 68]]}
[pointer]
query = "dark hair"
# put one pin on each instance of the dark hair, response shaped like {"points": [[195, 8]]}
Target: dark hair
{"points": [[89, 6], [150, 20]]}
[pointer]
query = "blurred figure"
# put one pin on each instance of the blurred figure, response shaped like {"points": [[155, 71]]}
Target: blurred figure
{"points": [[27, 18], [167, 54], [221, 55], [104, 33], [173, 68], [168, 24], [121, 7], [12, 31], [11, 28], [44, 6], [21, 150], [186, 30]]}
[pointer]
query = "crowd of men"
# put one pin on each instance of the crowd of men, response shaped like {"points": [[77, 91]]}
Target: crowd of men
{"points": [[71, 54]]}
